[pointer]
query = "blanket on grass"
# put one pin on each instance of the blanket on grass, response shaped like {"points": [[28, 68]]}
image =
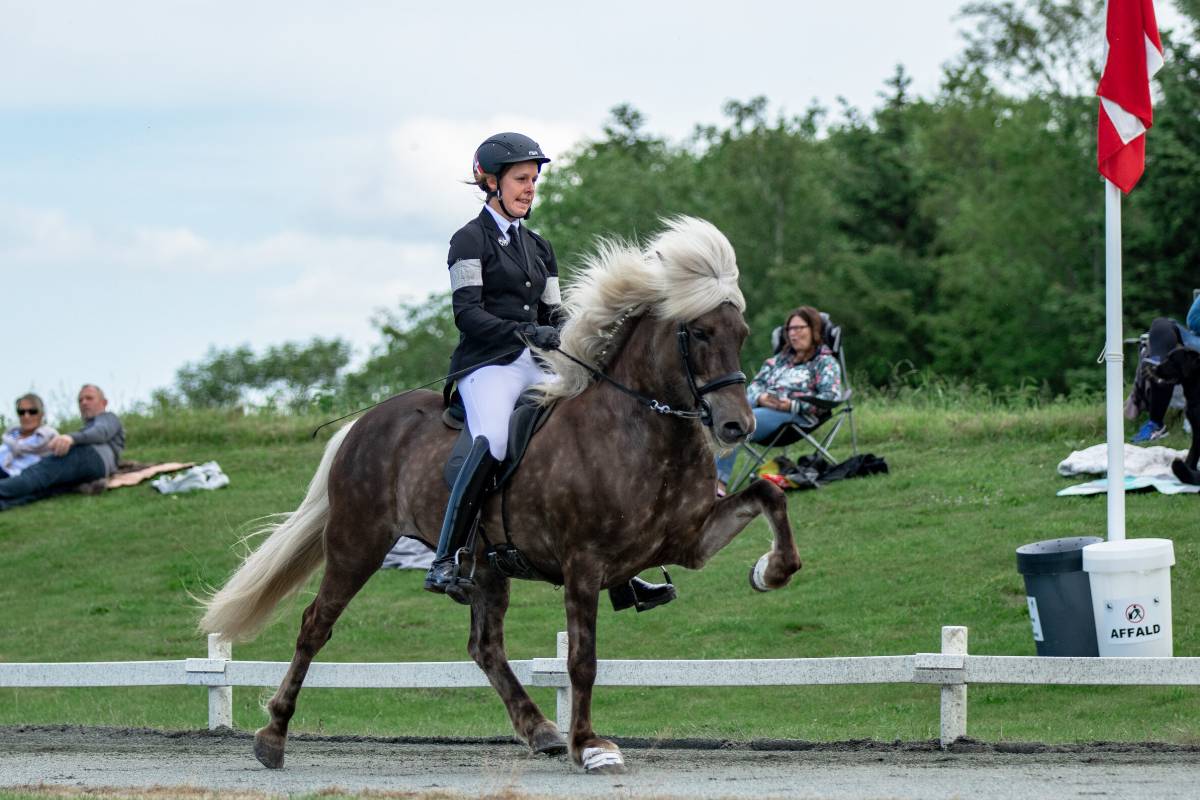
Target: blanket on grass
{"points": [[131, 473], [1167, 484]]}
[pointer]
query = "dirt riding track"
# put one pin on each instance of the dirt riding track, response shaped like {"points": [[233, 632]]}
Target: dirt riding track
{"points": [[99, 757]]}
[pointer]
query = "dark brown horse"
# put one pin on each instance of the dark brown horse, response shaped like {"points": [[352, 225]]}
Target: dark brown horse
{"points": [[609, 486]]}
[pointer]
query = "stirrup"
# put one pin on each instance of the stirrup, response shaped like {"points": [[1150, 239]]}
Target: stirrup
{"points": [[461, 587], [641, 595], [444, 576]]}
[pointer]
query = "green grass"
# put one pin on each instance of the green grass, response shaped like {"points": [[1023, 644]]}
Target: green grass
{"points": [[888, 561]]}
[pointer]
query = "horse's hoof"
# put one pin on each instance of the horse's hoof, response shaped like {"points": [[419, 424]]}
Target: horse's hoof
{"points": [[598, 761], [268, 749], [758, 573], [548, 741], [609, 769]]}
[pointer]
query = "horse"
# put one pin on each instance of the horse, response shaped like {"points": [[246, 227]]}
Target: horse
{"points": [[619, 479]]}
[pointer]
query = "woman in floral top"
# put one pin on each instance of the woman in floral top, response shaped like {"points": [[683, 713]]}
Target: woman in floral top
{"points": [[804, 367]]}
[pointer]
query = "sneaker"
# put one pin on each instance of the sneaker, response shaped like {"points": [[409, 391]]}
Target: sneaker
{"points": [[1149, 432]]}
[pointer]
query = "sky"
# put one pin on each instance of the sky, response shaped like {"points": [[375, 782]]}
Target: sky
{"points": [[180, 175]]}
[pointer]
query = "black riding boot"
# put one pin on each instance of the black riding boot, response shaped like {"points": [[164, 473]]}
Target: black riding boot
{"points": [[465, 498], [642, 595]]}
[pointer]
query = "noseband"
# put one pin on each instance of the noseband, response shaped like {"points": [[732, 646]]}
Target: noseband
{"points": [[703, 411]]}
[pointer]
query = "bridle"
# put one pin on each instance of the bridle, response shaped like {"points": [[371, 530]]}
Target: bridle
{"points": [[702, 412], [728, 379]]}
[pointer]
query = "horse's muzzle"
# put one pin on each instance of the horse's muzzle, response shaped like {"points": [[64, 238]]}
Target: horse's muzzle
{"points": [[732, 432]]}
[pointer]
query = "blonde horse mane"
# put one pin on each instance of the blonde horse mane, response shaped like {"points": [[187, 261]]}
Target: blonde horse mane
{"points": [[686, 270]]}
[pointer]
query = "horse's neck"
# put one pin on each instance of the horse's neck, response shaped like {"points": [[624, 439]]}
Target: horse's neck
{"points": [[649, 362]]}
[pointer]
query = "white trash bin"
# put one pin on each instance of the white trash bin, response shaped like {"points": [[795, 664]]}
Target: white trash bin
{"points": [[1131, 596]]}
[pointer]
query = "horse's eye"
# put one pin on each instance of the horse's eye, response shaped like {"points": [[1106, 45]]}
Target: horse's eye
{"points": [[699, 335]]}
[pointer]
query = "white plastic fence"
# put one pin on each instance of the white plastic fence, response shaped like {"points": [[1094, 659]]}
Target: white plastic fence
{"points": [[953, 669]]}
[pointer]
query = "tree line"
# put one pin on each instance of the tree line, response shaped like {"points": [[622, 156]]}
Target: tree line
{"points": [[959, 235]]}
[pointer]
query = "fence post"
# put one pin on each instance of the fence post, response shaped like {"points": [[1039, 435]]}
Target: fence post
{"points": [[562, 710], [954, 696], [220, 698]]}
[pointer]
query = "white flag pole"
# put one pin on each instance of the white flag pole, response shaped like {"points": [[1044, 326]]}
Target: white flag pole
{"points": [[1114, 361]]}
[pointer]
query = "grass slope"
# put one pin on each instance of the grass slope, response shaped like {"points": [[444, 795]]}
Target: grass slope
{"points": [[888, 561]]}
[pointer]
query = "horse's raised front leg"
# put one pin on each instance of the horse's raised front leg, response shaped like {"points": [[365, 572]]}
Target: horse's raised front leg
{"points": [[589, 751], [489, 602], [731, 515]]}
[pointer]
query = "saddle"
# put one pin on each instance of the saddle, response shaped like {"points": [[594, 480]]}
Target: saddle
{"points": [[529, 415]]}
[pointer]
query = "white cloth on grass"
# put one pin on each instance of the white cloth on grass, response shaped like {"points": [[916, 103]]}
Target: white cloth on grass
{"points": [[408, 553], [1139, 461], [201, 476]]}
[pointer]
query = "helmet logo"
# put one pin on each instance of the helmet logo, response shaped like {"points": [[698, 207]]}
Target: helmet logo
{"points": [[533, 152]]}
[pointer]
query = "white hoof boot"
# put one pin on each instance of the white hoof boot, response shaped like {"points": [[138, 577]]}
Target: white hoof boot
{"points": [[758, 574], [596, 759]]}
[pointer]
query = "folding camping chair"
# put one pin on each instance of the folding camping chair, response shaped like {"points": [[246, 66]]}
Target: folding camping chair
{"points": [[830, 418]]}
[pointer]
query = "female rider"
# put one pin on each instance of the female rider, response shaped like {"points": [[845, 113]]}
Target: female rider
{"points": [[504, 283]]}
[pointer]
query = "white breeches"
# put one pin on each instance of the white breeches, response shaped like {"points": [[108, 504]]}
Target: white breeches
{"points": [[489, 394]]}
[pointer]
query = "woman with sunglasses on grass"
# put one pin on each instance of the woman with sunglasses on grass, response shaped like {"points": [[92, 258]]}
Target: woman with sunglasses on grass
{"points": [[803, 367], [28, 442]]}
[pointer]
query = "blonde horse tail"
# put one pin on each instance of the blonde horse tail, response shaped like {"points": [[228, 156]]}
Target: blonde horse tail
{"points": [[293, 550]]}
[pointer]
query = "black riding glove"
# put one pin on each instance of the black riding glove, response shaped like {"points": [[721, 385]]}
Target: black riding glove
{"points": [[544, 337]]}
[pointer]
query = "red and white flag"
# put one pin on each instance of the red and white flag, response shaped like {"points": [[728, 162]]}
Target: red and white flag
{"points": [[1134, 55]]}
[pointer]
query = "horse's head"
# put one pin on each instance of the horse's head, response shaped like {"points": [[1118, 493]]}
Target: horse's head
{"points": [[711, 345], [686, 282]]}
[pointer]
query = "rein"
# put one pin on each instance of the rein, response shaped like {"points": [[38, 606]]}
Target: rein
{"points": [[703, 412]]}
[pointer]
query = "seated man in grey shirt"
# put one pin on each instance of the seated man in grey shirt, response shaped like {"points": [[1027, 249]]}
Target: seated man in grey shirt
{"points": [[85, 455]]}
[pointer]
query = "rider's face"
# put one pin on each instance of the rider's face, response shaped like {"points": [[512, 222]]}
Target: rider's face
{"points": [[517, 188]]}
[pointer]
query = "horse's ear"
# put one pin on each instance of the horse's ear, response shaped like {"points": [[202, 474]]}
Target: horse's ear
{"points": [[660, 258]]}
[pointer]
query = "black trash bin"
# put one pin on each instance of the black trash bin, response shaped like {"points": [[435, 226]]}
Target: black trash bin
{"points": [[1059, 595]]}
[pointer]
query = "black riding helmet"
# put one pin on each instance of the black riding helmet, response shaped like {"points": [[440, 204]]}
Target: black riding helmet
{"points": [[501, 150]]}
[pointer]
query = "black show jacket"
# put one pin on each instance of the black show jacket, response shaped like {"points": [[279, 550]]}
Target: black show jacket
{"points": [[498, 289]]}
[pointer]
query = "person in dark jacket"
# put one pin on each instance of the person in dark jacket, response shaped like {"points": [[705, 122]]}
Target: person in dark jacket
{"points": [[85, 455], [1165, 335], [504, 283]]}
